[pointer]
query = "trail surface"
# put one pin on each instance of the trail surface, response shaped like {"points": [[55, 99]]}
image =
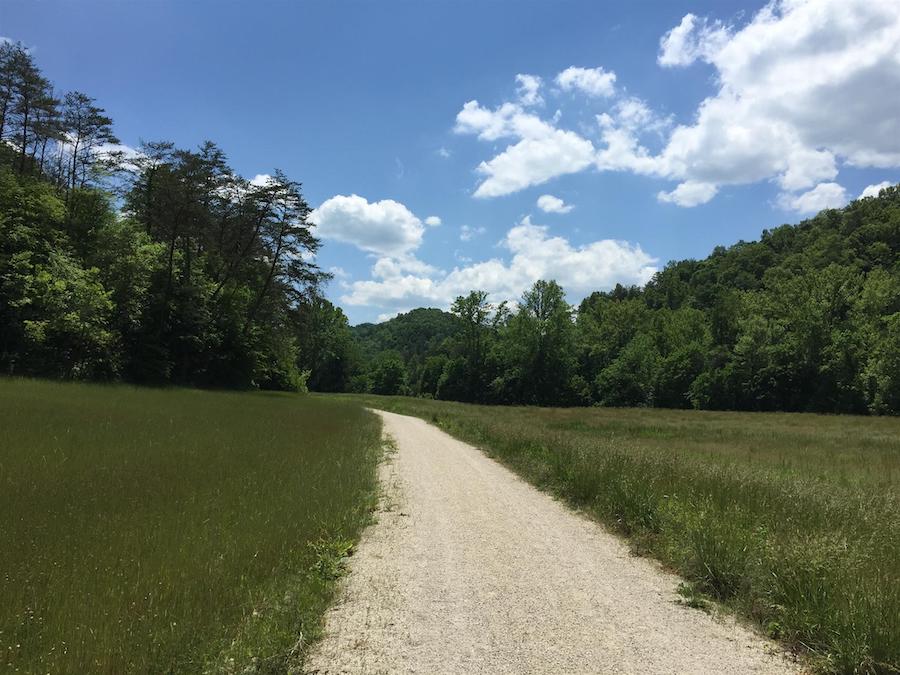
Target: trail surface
{"points": [[471, 570]]}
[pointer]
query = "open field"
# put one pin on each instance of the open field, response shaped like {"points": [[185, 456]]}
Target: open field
{"points": [[172, 530], [791, 520]]}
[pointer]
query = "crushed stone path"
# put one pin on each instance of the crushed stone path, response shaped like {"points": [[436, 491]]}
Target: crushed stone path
{"points": [[469, 569]]}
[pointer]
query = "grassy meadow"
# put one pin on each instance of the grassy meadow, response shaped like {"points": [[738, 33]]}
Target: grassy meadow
{"points": [[791, 520], [173, 530]]}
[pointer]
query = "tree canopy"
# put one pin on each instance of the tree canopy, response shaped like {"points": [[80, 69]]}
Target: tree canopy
{"points": [[162, 265], [805, 319]]}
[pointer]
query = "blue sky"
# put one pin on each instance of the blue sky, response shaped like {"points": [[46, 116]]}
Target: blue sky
{"points": [[386, 110]]}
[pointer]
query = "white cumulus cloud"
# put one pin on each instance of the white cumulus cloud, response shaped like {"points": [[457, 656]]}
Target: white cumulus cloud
{"points": [[467, 232], [591, 81], [386, 227], [390, 268], [261, 180], [533, 161], [801, 88], [432, 221], [529, 87], [823, 196], [873, 190], [533, 254], [689, 193], [551, 204], [541, 153], [690, 40]]}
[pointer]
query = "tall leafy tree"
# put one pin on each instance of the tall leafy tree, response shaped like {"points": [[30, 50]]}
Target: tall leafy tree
{"points": [[539, 348], [467, 376], [15, 61], [327, 350], [31, 100], [87, 128]]}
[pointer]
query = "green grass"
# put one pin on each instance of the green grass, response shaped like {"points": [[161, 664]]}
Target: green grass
{"points": [[790, 520], [173, 530]]}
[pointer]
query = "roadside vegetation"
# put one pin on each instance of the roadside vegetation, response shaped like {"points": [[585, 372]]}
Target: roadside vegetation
{"points": [[791, 520], [173, 530]]}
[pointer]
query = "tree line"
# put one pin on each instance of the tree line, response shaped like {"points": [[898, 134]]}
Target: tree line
{"points": [[163, 266], [805, 319], [158, 266]]}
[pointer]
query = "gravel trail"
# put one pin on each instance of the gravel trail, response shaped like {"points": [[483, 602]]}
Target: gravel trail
{"points": [[471, 570]]}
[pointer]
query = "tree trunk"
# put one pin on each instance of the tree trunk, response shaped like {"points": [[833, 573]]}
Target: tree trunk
{"points": [[72, 176], [268, 283], [3, 112], [43, 152], [229, 270], [24, 139]]}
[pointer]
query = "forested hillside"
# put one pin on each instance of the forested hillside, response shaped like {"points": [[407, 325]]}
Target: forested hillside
{"points": [[394, 353], [159, 266], [162, 265], [805, 319]]}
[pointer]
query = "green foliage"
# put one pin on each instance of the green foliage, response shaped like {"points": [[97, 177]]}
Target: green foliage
{"points": [[430, 375], [388, 374], [62, 316], [182, 273], [54, 312], [629, 379], [192, 275], [413, 334], [327, 348], [173, 530], [538, 348], [802, 320], [468, 374], [468, 360]]}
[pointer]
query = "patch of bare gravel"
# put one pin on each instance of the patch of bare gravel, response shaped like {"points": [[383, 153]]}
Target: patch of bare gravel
{"points": [[471, 570]]}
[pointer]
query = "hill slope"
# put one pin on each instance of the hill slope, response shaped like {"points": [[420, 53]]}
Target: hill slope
{"points": [[805, 318]]}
